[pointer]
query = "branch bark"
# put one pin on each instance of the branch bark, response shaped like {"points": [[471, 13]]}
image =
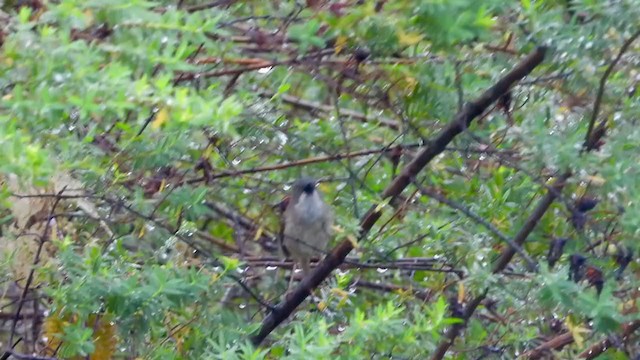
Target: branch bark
{"points": [[591, 352], [460, 122]]}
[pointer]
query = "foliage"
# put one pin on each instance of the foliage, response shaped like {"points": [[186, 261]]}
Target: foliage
{"points": [[144, 145]]}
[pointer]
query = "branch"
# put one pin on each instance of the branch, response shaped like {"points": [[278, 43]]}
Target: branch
{"points": [[602, 346], [423, 264], [557, 342], [591, 352], [455, 329], [36, 260], [504, 259], [188, 76], [552, 193], [460, 122], [316, 106], [588, 142], [303, 162], [532, 221], [479, 220]]}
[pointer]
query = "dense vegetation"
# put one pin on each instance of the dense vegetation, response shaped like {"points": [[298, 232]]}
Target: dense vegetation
{"points": [[481, 158]]}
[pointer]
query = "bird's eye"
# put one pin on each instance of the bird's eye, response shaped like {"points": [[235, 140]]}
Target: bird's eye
{"points": [[308, 188]]}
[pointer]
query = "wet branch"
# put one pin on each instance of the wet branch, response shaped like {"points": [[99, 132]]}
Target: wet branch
{"points": [[460, 122]]}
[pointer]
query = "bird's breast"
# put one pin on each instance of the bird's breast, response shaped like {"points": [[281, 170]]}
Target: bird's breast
{"points": [[309, 209]]}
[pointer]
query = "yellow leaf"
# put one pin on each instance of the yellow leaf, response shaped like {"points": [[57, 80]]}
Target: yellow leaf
{"points": [[324, 187], [161, 117], [460, 292], [411, 83], [353, 241], [382, 204], [341, 42], [322, 305], [53, 328], [88, 17], [596, 180], [576, 331], [258, 234], [339, 292], [104, 338], [207, 151], [409, 38], [612, 250]]}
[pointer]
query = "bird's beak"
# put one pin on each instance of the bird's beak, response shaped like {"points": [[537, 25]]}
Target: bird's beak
{"points": [[282, 205]]}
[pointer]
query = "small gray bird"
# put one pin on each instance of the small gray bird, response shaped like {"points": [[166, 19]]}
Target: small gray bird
{"points": [[307, 224]]}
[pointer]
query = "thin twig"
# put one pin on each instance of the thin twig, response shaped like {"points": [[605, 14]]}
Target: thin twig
{"points": [[43, 238], [478, 219]]}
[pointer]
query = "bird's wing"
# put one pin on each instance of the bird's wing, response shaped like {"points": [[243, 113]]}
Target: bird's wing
{"points": [[283, 222], [327, 222]]}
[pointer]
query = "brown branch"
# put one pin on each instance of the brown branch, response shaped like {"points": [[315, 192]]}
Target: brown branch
{"points": [[506, 256], [591, 352], [423, 264], [542, 207], [186, 76], [461, 121], [303, 162], [479, 220], [555, 343], [455, 329], [602, 346], [504, 259], [316, 106], [588, 142]]}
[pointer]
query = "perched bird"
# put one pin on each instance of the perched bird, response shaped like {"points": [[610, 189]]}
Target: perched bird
{"points": [[307, 223]]}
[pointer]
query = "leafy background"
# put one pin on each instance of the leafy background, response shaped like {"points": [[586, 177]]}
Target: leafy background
{"points": [[145, 144]]}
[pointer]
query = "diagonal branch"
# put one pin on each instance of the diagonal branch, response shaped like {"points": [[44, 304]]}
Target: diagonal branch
{"points": [[46, 235], [526, 229], [460, 122], [588, 142], [479, 220], [502, 262], [598, 348], [591, 352], [541, 208]]}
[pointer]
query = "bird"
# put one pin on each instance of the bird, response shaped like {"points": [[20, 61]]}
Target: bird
{"points": [[307, 224]]}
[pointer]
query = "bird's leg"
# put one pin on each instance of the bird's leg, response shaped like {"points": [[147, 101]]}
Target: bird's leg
{"points": [[306, 270], [293, 274], [306, 266]]}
